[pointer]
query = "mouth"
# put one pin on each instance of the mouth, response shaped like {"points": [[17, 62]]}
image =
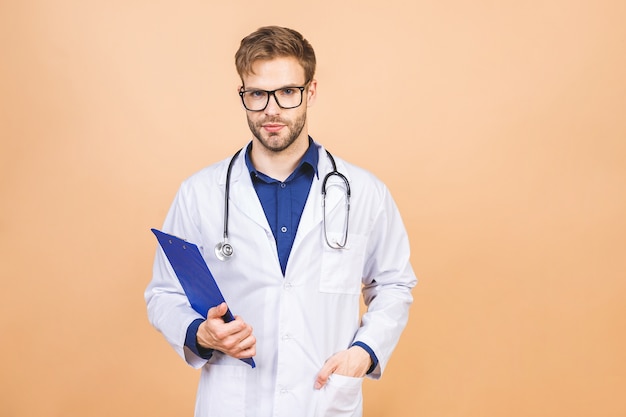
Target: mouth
{"points": [[273, 127]]}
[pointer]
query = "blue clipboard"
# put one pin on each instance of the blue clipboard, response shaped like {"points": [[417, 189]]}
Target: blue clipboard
{"points": [[194, 276]]}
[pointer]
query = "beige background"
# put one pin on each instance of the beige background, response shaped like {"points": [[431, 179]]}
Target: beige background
{"points": [[499, 126]]}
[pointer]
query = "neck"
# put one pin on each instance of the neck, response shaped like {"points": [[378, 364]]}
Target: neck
{"points": [[278, 165]]}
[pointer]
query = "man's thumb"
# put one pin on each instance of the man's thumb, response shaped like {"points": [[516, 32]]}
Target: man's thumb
{"points": [[217, 311]]}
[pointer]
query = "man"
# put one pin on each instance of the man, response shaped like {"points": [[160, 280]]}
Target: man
{"points": [[300, 260]]}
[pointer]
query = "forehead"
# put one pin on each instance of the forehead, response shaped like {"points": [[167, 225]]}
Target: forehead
{"points": [[274, 73]]}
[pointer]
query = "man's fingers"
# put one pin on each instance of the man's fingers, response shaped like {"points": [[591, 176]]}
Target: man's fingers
{"points": [[247, 348], [324, 374]]}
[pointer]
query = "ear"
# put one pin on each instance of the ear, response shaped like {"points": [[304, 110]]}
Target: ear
{"points": [[311, 93], [239, 88]]}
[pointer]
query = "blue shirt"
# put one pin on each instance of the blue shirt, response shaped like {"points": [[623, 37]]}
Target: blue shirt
{"points": [[283, 204]]}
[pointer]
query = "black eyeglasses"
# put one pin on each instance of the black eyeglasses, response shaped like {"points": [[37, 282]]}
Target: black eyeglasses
{"points": [[286, 98]]}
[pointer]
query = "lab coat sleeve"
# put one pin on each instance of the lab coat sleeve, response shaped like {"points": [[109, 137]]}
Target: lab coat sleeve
{"points": [[388, 281], [169, 310]]}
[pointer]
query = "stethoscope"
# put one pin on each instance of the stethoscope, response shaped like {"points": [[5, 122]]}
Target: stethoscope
{"points": [[224, 250]]}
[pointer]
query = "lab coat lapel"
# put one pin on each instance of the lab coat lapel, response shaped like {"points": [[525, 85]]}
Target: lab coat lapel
{"points": [[243, 196]]}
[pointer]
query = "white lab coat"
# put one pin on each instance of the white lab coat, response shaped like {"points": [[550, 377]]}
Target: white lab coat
{"points": [[303, 318]]}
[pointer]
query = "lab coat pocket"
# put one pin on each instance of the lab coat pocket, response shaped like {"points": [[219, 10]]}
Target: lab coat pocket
{"points": [[342, 269], [341, 397], [222, 391]]}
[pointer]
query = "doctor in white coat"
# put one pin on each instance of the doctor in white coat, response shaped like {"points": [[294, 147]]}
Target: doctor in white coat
{"points": [[294, 289]]}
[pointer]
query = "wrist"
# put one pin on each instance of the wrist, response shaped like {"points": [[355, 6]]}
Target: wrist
{"points": [[191, 340], [373, 358]]}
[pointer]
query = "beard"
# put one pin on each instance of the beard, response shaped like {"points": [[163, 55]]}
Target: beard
{"points": [[278, 141]]}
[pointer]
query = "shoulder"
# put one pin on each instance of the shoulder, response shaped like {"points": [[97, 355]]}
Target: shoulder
{"points": [[210, 174]]}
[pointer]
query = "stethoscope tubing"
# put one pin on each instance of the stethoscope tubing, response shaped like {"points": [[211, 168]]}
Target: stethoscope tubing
{"points": [[227, 192], [224, 250], [336, 245]]}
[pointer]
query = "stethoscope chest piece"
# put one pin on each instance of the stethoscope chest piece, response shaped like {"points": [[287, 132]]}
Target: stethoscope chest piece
{"points": [[223, 251]]}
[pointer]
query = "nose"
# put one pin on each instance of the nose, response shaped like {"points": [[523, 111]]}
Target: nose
{"points": [[272, 105]]}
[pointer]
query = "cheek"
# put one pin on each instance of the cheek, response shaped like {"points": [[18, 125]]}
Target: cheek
{"points": [[253, 119]]}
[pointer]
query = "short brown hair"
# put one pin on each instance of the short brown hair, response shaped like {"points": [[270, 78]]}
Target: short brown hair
{"points": [[272, 42]]}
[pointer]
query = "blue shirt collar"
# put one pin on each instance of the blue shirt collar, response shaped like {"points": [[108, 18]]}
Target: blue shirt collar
{"points": [[310, 158]]}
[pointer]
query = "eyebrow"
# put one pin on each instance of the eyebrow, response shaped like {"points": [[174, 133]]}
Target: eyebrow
{"points": [[293, 85]]}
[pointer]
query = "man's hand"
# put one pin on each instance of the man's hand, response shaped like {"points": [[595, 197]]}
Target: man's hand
{"points": [[353, 362], [234, 338]]}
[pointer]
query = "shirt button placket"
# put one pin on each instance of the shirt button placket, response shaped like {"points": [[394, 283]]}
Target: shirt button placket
{"points": [[283, 229]]}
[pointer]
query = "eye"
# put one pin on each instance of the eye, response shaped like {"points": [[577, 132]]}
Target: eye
{"points": [[288, 91], [256, 94]]}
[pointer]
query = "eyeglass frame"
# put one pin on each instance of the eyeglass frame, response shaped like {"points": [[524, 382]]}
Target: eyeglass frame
{"points": [[273, 93]]}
